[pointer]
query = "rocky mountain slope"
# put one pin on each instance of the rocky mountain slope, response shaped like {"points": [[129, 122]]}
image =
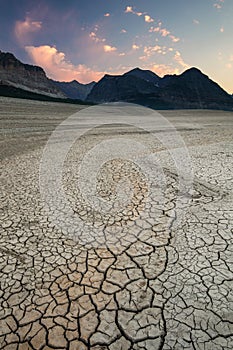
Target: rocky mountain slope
{"points": [[193, 89], [26, 77]]}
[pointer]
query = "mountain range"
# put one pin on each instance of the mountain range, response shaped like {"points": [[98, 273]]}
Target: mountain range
{"points": [[191, 89]]}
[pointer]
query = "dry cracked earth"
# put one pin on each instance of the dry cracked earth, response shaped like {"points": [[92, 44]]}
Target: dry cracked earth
{"points": [[143, 283]]}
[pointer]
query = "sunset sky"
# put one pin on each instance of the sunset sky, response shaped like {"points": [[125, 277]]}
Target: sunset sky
{"points": [[84, 39]]}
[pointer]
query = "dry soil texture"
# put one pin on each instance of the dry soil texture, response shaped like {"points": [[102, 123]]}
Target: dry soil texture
{"points": [[150, 285]]}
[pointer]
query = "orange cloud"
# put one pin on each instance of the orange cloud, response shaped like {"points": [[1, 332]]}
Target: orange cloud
{"points": [[24, 29], [135, 47], [58, 67], [148, 19], [222, 30], [109, 48], [107, 15]]}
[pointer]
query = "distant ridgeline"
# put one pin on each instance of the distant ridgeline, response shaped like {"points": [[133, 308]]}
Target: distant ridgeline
{"points": [[191, 89]]}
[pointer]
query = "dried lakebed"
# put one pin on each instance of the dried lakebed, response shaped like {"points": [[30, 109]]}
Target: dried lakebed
{"points": [[143, 283]]}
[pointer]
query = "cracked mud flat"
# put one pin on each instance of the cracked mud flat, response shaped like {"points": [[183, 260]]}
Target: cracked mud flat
{"points": [[153, 286]]}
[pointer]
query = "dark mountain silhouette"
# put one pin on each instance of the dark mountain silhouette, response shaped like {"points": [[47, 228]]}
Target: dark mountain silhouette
{"points": [[74, 89], [191, 89], [120, 88]]}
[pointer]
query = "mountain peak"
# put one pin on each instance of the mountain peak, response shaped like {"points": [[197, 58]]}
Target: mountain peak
{"points": [[144, 74], [137, 69], [109, 76], [193, 71]]}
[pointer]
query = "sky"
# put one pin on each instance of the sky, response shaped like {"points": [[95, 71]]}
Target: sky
{"points": [[85, 39]]}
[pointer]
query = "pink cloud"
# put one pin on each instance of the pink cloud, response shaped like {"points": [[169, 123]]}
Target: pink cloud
{"points": [[135, 47], [219, 4], [107, 15], [123, 31], [92, 35], [24, 29], [222, 30], [58, 67]]}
